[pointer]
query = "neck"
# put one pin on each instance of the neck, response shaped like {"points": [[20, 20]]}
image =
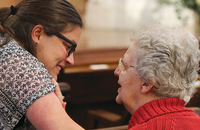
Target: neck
{"points": [[145, 98]]}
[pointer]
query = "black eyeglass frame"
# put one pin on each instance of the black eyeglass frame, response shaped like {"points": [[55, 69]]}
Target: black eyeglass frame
{"points": [[74, 45]]}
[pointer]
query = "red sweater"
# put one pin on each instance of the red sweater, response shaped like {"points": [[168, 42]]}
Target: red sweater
{"points": [[164, 114]]}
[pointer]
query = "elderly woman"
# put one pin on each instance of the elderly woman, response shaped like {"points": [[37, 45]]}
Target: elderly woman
{"points": [[157, 76]]}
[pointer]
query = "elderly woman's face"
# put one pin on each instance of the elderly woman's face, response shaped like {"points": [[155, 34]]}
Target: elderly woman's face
{"points": [[52, 51], [129, 92]]}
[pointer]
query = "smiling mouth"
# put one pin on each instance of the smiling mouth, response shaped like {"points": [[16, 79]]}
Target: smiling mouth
{"points": [[59, 68]]}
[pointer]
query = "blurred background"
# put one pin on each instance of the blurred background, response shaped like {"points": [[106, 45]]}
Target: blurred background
{"points": [[114, 20], [90, 86]]}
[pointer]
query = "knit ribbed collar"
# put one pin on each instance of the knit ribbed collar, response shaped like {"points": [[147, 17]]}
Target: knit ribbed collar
{"points": [[155, 108]]}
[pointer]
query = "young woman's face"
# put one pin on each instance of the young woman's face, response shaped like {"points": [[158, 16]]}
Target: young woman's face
{"points": [[52, 51]]}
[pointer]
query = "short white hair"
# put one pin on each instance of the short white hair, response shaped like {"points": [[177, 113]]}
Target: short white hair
{"points": [[168, 58]]}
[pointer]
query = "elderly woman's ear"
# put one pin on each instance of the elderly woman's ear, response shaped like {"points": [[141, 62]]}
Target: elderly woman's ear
{"points": [[146, 88]]}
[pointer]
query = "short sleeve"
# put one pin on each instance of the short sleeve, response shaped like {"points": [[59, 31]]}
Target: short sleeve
{"points": [[23, 80]]}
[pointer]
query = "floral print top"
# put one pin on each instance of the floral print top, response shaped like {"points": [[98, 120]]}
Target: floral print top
{"points": [[23, 80]]}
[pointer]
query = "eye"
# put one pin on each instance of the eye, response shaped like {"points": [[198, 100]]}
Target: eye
{"points": [[122, 62], [67, 46]]}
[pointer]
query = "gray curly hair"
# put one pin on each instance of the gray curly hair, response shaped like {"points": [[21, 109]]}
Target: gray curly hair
{"points": [[168, 58]]}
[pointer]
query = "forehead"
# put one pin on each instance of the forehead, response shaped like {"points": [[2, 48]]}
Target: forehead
{"points": [[129, 56]]}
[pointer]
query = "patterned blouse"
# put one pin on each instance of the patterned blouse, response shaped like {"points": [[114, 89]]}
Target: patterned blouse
{"points": [[23, 79]]}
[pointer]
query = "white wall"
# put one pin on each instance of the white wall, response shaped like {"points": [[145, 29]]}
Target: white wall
{"points": [[128, 14]]}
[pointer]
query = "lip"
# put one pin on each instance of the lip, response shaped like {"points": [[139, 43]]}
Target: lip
{"points": [[59, 67], [119, 89]]}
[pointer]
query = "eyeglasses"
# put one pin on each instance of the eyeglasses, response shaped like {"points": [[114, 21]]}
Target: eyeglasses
{"points": [[121, 66], [74, 45]]}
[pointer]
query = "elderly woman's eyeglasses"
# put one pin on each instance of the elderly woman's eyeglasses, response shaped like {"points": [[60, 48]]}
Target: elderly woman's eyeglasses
{"points": [[121, 66], [74, 45]]}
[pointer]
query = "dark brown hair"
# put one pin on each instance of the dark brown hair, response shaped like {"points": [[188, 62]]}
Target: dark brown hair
{"points": [[53, 15]]}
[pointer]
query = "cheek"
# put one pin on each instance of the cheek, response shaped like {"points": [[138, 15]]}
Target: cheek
{"points": [[126, 79], [61, 53], [129, 84]]}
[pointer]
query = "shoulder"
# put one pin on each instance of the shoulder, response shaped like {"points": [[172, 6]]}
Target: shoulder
{"points": [[20, 68], [15, 58], [186, 121], [23, 80]]}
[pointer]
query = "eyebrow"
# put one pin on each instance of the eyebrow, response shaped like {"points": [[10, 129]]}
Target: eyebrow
{"points": [[66, 39]]}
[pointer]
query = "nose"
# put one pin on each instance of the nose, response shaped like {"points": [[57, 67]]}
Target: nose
{"points": [[70, 59], [116, 72]]}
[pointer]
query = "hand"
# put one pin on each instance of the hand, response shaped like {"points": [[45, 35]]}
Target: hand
{"points": [[58, 93]]}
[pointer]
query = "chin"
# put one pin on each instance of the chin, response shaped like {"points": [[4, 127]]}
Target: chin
{"points": [[55, 77], [118, 100]]}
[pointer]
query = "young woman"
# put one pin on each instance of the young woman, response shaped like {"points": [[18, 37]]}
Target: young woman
{"points": [[38, 38]]}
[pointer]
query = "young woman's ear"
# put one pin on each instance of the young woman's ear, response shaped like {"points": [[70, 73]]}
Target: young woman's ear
{"points": [[36, 33], [146, 88]]}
